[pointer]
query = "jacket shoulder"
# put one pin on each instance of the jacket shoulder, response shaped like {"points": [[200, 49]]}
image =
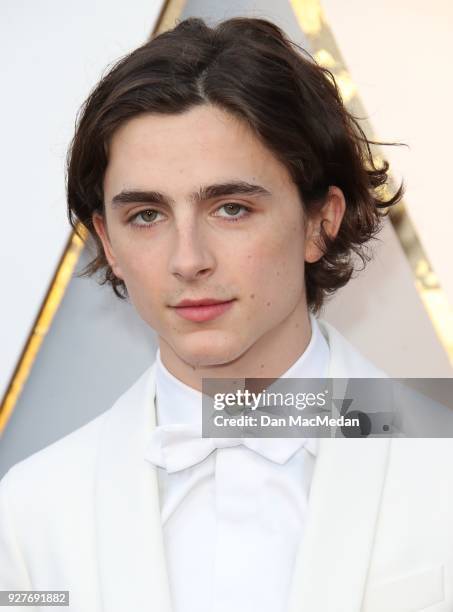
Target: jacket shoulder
{"points": [[41, 495], [57, 466], [346, 361], [74, 455]]}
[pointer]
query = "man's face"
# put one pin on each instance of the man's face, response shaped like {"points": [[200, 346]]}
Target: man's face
{"points": [[197, 207]]}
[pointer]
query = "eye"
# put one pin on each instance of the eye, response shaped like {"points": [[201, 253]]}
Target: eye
{"points": [[144, 218], [232, 209]]}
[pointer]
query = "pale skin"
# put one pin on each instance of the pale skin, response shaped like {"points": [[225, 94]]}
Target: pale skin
{"points": [[187, 247]]}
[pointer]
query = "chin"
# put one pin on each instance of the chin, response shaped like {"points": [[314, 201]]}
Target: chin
{"points": [[208, 349]]}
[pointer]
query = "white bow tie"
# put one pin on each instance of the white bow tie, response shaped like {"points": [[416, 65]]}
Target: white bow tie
{"points": [[179, 446]]}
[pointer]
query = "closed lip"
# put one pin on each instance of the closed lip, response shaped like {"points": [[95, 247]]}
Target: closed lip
{"points": [[204, 302]]}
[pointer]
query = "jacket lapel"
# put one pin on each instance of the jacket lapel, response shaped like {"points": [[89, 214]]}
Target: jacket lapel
{"points": [[331, 567], [132, 568], [333, 559]]}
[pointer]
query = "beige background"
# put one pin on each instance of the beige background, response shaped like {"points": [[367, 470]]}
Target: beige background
{"points": [[398, 53]]}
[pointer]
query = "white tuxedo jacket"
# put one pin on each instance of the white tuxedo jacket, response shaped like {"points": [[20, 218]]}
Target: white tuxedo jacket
{"points": [[83, 515]]}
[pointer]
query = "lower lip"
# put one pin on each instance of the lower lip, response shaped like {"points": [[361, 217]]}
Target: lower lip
{"points": [[203, 313]]}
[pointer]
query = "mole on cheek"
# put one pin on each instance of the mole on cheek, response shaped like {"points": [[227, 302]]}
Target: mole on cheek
{"points": [[268, 304], [252, 295]]}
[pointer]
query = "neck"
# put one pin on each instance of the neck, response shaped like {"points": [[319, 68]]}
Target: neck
{"points": [[269, 357]]}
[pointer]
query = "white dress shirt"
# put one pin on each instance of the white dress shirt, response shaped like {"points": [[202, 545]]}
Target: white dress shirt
{"points": [[233, 522]]}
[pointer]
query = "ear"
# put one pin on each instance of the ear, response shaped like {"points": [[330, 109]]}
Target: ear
{"points": [[330, 216], [100, 226]]}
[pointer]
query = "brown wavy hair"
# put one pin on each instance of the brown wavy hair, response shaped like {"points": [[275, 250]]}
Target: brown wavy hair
{"points": [[249, 68]]}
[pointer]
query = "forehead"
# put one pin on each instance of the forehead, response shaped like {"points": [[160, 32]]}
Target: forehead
{"points": [[178, 152]]}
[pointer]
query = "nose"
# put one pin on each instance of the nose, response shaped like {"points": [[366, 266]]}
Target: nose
{"points": [[191, 258]]}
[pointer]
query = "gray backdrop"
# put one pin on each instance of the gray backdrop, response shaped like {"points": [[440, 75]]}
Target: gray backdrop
{"points": [[98, 345]]}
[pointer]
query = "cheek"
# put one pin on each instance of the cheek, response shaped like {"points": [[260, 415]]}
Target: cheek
{"points": [[278, 256], [140, 269]]}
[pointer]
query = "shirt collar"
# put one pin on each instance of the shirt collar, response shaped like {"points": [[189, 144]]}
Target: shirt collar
{"points": [[180, 403]]}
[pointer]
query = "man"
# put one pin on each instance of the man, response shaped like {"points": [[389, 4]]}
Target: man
{"points": [[227, 189]]}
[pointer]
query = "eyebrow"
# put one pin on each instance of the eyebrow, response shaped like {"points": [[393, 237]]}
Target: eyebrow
{"points": [[209, 192]]}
